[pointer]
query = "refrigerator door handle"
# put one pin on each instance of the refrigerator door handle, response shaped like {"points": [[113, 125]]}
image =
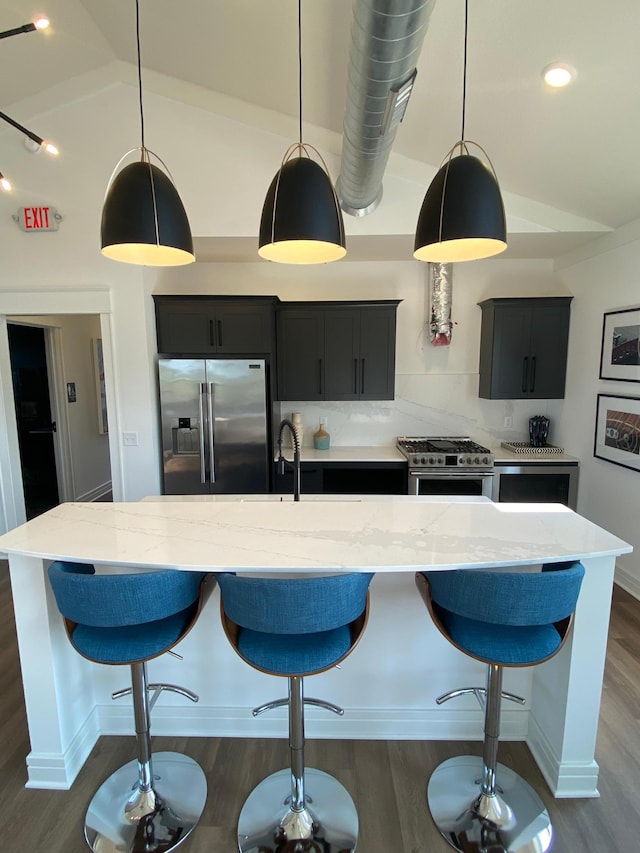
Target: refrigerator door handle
{"points": [[203, 468], [212, 458]]}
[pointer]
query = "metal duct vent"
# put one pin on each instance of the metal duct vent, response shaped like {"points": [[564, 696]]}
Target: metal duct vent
{"points": [[386, 40]]}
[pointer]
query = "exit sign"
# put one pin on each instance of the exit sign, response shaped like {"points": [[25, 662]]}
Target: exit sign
{"points": [[42, 218]]}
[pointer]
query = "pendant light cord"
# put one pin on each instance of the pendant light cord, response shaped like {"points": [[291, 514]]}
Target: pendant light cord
{"points": [[300, 70], [464, 68], [139, 75]]}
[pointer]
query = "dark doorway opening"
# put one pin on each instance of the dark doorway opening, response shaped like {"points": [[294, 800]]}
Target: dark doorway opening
{"points": [[27, 349]]}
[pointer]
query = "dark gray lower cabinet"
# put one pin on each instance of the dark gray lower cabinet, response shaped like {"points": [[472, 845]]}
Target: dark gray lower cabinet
{"points": [[345, 478], [523, 348], [336, 351]]}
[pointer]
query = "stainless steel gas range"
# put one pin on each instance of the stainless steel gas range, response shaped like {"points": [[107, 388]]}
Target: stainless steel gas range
{"points": [[447, 466]]}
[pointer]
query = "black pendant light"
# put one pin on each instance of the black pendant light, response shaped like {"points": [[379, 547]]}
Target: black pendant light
{"points": [[143, 218], [301, 219], [462, 216]]}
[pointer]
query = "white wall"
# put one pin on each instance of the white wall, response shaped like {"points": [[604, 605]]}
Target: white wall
{"points": [[608, 494]]}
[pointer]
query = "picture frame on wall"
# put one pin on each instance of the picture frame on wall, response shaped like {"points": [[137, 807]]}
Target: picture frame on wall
{"points": [[101, 393], [620, 353], [617, 433]]}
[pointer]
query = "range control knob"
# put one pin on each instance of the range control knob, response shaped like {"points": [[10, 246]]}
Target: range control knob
{"points": [[477, 460], [424, 460], [416, 460], [431, 460]]}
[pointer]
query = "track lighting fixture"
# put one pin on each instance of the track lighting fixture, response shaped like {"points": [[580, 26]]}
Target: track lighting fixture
{"points": [[39, 24]]}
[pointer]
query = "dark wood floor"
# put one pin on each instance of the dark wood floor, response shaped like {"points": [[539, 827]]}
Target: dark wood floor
{"points": [[386, 778]]}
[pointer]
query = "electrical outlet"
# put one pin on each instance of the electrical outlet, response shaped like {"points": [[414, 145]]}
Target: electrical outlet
{"points": [[130, 439], [508, 422]]}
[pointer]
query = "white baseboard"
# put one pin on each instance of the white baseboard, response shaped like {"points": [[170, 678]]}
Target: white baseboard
{"points": [[95, 494], [57, 771], [579, 779], [627, 581], [356, 724]]}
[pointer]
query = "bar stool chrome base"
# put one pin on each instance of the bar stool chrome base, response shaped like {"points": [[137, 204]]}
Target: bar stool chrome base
{"points": [[328, 825], [123, 819], [513, 821]]}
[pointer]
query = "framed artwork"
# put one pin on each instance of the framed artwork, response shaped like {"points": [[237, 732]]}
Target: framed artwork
{"points": [[101, 393], [617, 436], [620, 354]]}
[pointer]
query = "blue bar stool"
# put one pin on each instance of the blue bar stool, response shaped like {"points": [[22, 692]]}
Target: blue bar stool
{"points": [[293, 628], [153, 802], [503, 619]]}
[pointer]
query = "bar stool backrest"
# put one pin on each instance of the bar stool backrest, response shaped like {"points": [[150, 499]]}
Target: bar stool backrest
{"points": [[510, 598], [296, 606], [107, 601]]}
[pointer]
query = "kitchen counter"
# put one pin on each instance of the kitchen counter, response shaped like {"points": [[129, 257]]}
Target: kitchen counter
{"points": [[392, 454], [345, 454], [387, 686]]}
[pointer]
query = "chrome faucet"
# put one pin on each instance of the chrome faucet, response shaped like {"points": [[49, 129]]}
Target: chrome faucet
{"points": [[296, 456]]}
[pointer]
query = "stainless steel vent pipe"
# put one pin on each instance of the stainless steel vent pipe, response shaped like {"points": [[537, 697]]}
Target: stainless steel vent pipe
{"points": [[386, 39]]}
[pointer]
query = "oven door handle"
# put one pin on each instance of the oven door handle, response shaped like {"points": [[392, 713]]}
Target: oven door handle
{"points": [[454, 475]]}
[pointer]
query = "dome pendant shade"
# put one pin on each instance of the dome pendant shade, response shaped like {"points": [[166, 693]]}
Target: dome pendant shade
{"points": [[144, 220], [301, 219], [462, 216]]}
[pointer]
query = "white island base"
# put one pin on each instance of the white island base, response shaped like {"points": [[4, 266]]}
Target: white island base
{"points": [[388, 684]]}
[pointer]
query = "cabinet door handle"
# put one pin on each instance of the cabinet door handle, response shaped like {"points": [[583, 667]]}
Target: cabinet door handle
{"points": [[320, 376], [362, 377], [355, 375], [212, 339], [212, 420], [203, 468], [219, 333], [532, 387], [525, 370]]}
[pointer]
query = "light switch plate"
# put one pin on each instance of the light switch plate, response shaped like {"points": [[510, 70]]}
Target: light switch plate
{"points": [[130, 439]]}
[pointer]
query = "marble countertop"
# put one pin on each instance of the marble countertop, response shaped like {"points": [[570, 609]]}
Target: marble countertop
{"points": [[311, 535], [346, 454], [390, 453]]}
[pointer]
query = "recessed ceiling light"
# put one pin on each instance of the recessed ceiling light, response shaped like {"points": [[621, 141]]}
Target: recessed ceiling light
{"points": [[558, 74]]}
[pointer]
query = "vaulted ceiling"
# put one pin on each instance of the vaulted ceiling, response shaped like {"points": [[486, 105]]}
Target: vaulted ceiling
{"points": [[570, 149]]}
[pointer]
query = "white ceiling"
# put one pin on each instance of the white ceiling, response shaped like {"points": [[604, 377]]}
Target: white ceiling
{"points": [[566, 148]]}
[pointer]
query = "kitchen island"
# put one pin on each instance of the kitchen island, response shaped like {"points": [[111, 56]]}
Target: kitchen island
{"points": [[387, 686]]}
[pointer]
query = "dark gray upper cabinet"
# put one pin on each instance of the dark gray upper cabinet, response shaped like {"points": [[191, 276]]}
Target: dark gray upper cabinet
{"points": [[523, 347], [336, 351], [205, 325], [300, 353]]}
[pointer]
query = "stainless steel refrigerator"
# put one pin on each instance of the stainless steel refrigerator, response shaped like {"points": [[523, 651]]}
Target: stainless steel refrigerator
{"points": [[214, 426]]}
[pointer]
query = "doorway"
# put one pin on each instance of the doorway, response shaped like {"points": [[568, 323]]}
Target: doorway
{"points": [[31, 307], [36, 428]]}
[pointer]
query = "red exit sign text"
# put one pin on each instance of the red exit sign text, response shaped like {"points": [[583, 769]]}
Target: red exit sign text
{"points": [[43, 218]]}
